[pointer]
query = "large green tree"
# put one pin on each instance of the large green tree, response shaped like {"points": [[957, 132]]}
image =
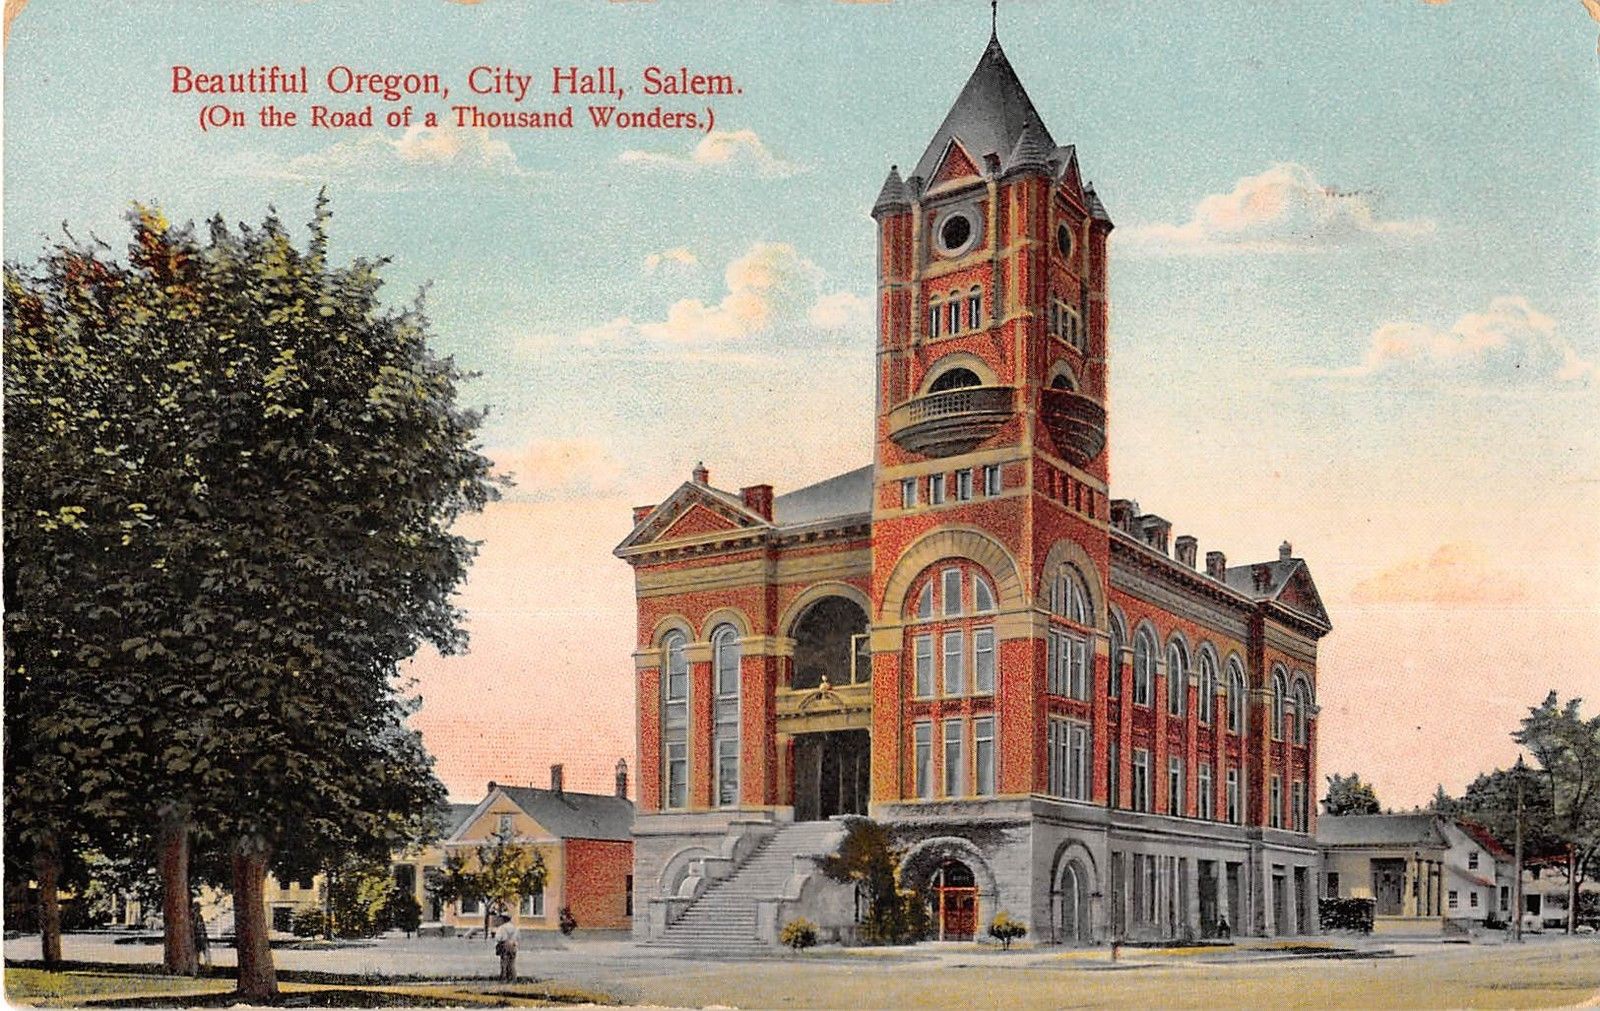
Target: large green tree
{"points": [[1567, 748], [1350, 795], [265, 466]]}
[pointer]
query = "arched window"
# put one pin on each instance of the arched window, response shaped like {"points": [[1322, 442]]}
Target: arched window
{"points": [[1208, 685], [975, 308], [955, 379], [1067, 649], [1302, 713], [1236, 698], [1144, 666], [725, 656], [1280, 691], [1177, 678], [951, 648], [1119, 637], [935, 311], [1069, 596], [674, 721], [953, 312]]}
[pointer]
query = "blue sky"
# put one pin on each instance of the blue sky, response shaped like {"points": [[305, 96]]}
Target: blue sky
{"points": [[1353, 283]]}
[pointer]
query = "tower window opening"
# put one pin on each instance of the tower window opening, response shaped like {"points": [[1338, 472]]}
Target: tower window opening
{"points": [[955, 379]]}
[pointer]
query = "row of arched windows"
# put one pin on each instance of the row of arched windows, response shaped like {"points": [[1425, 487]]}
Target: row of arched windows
{"points": [[726, 654], [1291, 708], [955, 312]]}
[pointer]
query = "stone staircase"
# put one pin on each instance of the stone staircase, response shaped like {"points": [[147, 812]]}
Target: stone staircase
{"points": [[724, 916]]}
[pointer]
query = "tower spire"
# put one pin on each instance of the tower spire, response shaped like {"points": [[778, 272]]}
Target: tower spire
{"points": [[994, 20]]}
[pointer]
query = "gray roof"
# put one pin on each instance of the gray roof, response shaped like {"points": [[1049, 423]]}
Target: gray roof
{"points": [[848, 494], [988, 115], [1380, 830], [454, 816], [568, 815], [894, 196], [1277, 573], [1096, 208], [1032, 151]]}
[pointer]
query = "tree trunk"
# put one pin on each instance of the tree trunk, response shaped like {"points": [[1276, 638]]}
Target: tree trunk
{"points": [[1572, 889], [178, 954], [47, 872], [258, 979]]}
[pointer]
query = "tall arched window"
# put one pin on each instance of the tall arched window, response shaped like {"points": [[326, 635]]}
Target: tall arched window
{"points": [[1177, 678], [952, 645], [725, 656], [1067, 648], [1237, 721], [674, 721], [1280, 691], [1302, 713], [1144, 666], [1208, 685], [1119, 637]]}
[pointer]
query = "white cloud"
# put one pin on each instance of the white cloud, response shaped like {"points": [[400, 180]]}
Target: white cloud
{"points": [[1284, 209], [420, 157], [678, 257], [770, 290], [731, 152], [1508, 341], [550, 469]]}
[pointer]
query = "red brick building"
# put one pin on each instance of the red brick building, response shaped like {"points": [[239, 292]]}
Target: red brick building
{"points": [[1059, 709]]}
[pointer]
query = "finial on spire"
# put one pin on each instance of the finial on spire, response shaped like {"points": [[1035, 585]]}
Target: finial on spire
{"points": [[994, 20]]}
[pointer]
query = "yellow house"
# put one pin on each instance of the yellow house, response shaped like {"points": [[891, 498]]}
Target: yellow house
{"points": [[584, 839]]}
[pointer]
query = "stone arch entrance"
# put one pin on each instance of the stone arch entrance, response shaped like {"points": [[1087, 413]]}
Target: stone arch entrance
{"points": [[957, 883], [1074, 895], [831, 755]]}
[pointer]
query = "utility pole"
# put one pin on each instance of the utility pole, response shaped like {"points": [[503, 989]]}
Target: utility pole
{"points": [[1516, 931]]}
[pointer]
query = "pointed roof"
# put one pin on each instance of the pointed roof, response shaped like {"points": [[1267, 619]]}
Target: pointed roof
{"points": [[988, 116], [1032, 151], [894, 196], [1097, 210]]}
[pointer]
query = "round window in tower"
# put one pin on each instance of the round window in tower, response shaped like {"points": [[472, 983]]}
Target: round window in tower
{"points": [[1064, 241], [957, 232]]}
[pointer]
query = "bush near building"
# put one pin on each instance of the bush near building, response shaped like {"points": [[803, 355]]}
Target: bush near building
{"points": [[799, 934], [1005, 930], [1347, 914]]}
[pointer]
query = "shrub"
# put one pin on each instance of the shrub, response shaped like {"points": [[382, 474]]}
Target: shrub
{"points": [[799, 934], [1347, 914], [1005, 930], [403, 912], [308, 923], [569, 923]]}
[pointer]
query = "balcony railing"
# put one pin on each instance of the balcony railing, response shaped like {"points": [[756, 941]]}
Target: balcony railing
{"points": [[951, 421], [1076, 423]]}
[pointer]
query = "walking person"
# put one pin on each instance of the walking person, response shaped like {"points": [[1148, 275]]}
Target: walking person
{"points": [[202, 943], [505, 945]]}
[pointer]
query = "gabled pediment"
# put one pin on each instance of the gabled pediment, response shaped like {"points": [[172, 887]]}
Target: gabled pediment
{"points": [[1071, 179], [693, 511], [1300, 593], [956, 165]]}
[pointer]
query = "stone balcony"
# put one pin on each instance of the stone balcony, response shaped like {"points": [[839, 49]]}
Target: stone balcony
{"points": [[1076, 423], [951, 421]]}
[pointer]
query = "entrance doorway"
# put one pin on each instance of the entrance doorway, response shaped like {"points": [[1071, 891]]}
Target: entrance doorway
{"points": [[1073, 927], [1388, 885], [954, 895], [832, 774], [1208, 898]]}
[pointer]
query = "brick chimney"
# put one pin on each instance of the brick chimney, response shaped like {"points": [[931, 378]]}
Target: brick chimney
{"points": [[1261, 577], [640, 512], [493, 786], [1285, 551], [1123, 510], [1216, 565], [555, 778], [1153, 530], [622, 778], [700, 474], [1185, 548], [758, 499]]}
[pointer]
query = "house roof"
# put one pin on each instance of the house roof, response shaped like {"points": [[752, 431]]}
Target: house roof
{"points": [[1483, 837], [846, 494], [1379, 830], [1471, 878], [987, 117], [454, 816], [568, 815]]}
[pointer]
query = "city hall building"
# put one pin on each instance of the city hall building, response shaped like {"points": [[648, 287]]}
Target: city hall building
{"points": [[1057, 707]]}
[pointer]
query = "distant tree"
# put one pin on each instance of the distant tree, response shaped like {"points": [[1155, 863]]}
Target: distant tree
{"points": [[507, 870], [404, 912], [359, 891], [1567, 748], [1491, 801], [1349, 795], [1441, 802], [257, 471]]}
